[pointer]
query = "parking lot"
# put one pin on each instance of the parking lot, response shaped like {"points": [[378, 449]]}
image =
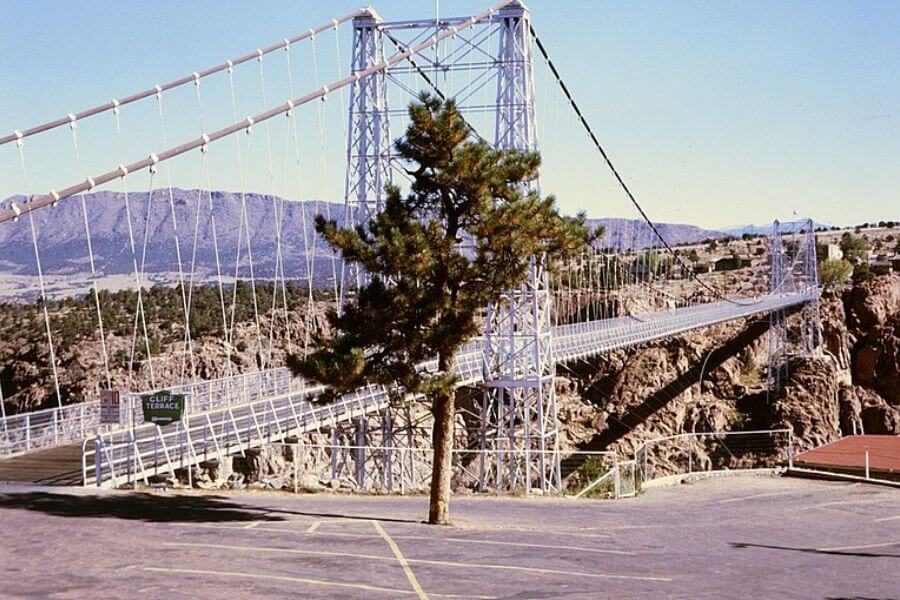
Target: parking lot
{"points": [[734, 537]]}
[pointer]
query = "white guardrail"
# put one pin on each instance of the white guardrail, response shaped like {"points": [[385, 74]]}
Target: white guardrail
{"points": [[70, 424], [705, 452], [117, 456]]}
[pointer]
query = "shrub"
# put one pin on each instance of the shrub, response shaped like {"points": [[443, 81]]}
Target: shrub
{"points": [[834, 273]]}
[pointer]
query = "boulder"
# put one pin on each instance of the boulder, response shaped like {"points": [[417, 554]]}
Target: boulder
{"points": [[808, 402], [308, 482]]}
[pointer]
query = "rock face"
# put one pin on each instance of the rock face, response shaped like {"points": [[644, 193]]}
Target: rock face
{"points": [[808, 403], [629, 396]]}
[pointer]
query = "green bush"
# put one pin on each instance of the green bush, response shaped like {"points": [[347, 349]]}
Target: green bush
{"points": [[834, 273]]}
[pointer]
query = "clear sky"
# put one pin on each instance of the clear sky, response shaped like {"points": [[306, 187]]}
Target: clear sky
{"points": [[717, 113]]}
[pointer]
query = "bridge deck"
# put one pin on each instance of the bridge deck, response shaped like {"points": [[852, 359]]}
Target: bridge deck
{"points": [[228, 418], [51, 466]]}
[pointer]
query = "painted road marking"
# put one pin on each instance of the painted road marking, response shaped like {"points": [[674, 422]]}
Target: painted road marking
{"points": [[402, 560], [882, 519], [850, 502], [314, 528], [516, 544], [866, 547], [332, 584], [742, 498], [441, 563]]}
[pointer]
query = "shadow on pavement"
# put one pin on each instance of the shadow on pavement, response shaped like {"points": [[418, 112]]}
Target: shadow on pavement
{"points": [[138, 507], [816, 550], [321, 515]]}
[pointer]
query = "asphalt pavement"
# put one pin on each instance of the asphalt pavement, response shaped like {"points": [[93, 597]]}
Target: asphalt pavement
{"points": [[739, 537]]}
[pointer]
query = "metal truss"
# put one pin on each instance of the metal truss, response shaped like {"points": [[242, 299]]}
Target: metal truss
{"points": [[376, 451], [519, 419], [794, 269], [369, 138]]}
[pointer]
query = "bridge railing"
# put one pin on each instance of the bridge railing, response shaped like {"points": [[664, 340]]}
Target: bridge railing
{"points": [[30, 431], [50, 427], [47, 428], [688, 453], [127, 455], [407, 469]]}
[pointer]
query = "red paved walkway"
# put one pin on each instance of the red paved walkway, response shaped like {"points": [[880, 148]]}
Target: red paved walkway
{"points": [[850, 452]]}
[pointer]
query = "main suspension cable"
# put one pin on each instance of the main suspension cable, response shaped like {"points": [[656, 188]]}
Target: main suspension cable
{"points": [[615, 172]]}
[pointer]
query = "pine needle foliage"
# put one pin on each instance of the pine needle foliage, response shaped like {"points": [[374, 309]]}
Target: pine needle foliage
{"points": [[435, 258]]}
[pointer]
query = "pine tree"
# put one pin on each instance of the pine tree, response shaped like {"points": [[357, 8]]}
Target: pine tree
{"points": [[435, 258]]}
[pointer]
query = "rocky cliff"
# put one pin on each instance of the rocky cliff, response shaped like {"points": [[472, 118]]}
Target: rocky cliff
{"points": [[622, 399]]}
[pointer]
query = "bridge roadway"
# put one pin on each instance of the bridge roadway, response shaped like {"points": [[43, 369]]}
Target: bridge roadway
{"points": [[115, 457]]}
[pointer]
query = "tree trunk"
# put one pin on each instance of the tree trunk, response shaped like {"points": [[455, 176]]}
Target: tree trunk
{"points": [[443, 408]]}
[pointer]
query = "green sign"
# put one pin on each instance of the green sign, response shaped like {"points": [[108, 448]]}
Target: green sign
{"points": [[163, 408]]}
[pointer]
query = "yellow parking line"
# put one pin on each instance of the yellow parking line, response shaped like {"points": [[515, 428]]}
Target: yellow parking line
{"points": [[515, 544], [886, 519], [848, 502], [402, 560], [753, 497], [441, 563], [358, 586], [867, 546], [314, 528]]}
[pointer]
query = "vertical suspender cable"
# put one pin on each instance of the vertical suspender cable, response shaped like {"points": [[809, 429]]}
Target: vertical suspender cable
{"points": [[188, 343], [308, 254], [321, 172], [206, 182], [87, 234], [37, 260], [243, 223], [139, 315], [278, 211]]}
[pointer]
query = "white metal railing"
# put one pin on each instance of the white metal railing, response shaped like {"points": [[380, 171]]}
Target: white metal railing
{"points": [[127, 455], [688, 453], [580, 340], [69, 424]]}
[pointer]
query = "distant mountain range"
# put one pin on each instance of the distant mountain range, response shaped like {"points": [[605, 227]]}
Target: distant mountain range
{"points": [[623, 234], [63, 247], [739, 230]]}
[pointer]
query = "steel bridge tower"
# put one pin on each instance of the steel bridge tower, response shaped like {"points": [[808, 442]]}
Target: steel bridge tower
{"points": [[518, 412], [369, 138], [794, 269], [519, 424]]}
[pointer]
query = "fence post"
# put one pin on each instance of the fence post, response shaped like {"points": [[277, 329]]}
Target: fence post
{"points": [[867, 463], [98, 466], [645, 463], [187, 438], [296, 460], [790, 449], [617, 479], [690, 440], [28, 432]]}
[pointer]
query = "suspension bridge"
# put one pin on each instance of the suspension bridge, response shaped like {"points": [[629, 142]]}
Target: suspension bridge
{"points": [[266, 125]]}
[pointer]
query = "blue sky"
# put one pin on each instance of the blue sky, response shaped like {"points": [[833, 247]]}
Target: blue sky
{"points": [[716, 113]]}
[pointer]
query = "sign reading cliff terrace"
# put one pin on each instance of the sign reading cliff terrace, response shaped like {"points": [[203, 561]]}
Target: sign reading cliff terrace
{"points": [[163, 408]]}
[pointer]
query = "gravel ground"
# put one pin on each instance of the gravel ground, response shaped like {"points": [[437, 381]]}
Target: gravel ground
{"points": [[739, 537]]}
